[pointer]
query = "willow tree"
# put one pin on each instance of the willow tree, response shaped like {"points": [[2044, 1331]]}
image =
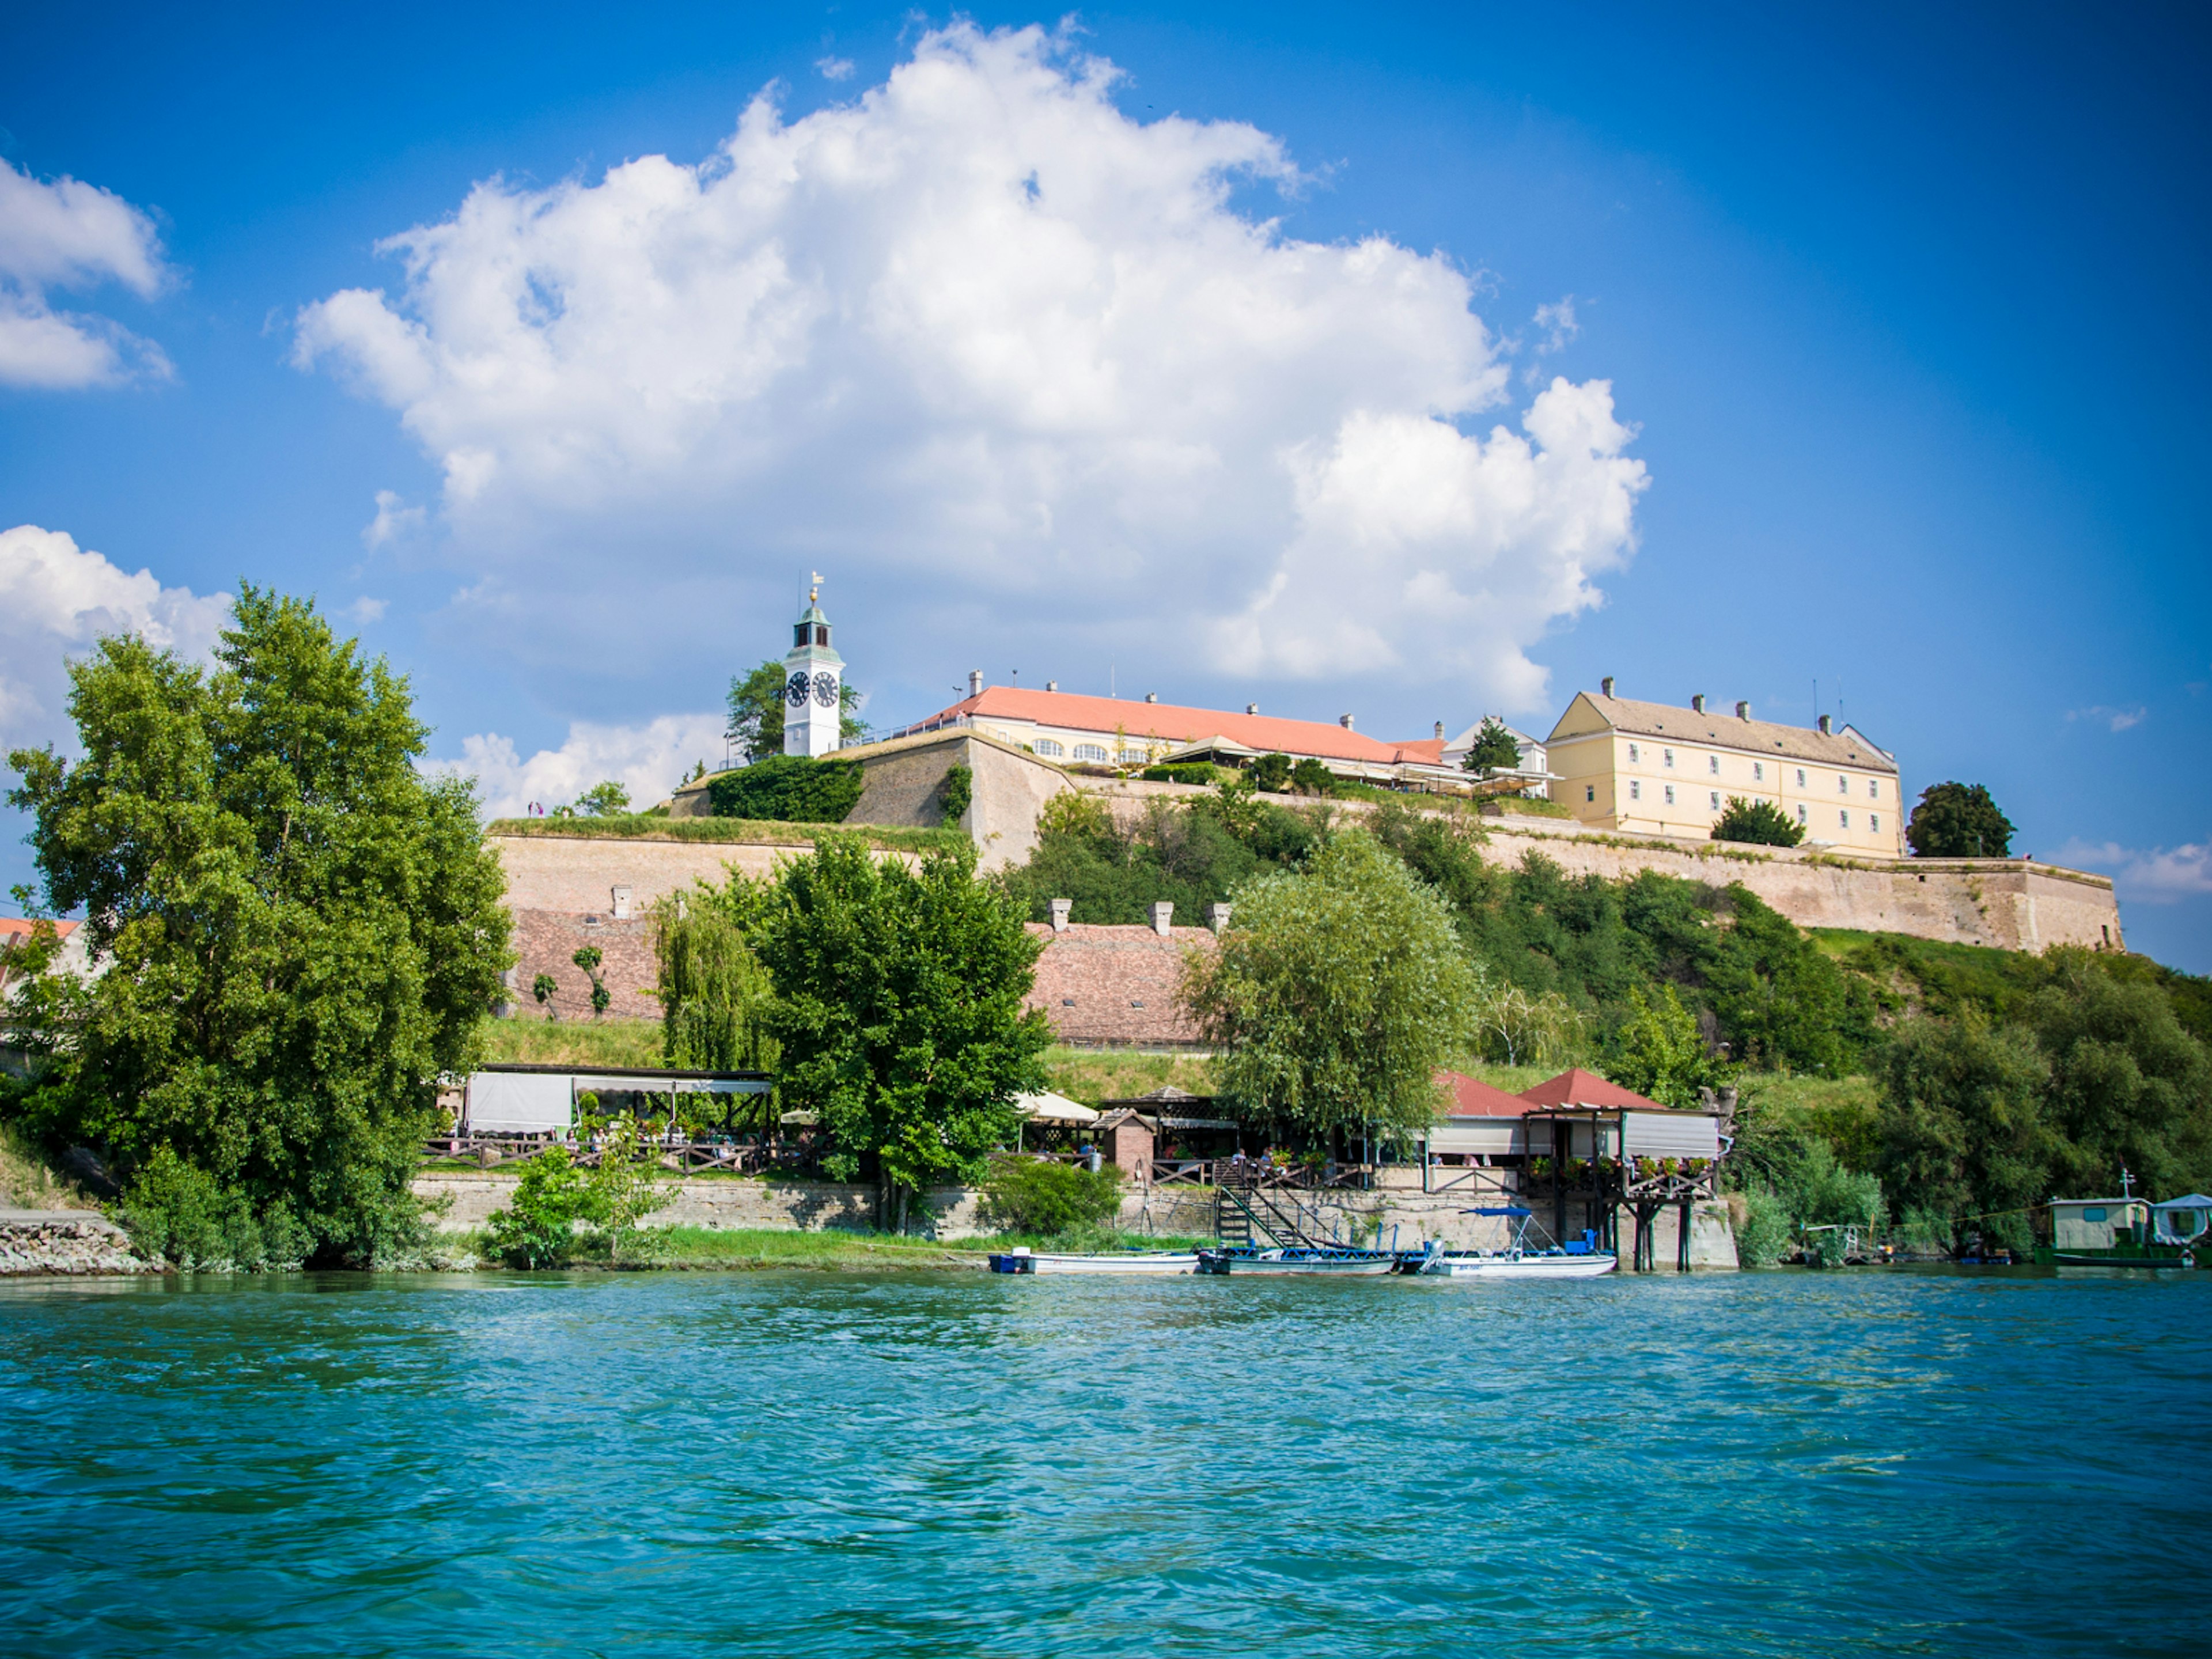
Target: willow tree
{"points": [[1336, 994], [715, 996]]}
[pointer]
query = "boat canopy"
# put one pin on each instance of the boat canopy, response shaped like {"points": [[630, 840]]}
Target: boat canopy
{"points": [[2181, 1220], [1508, 1209]]}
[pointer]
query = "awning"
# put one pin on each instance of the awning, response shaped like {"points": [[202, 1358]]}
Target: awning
{"points": [[1049, 1108]]}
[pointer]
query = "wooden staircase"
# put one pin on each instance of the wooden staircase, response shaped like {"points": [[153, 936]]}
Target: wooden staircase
{"points": [[1246, 1216]]}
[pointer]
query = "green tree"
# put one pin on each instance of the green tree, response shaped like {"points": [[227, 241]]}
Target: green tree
{"points": [[588, 958], [1335, 993], [543, 987], [1271, 773], [899, 997], [537, 1227], [1495, 750], [1760, 823], [299, 930], [1964, 1133], [1660, 1054], [1959, 821], [1310, 777], [1038, 1196], [604, 799], [756, 704]]}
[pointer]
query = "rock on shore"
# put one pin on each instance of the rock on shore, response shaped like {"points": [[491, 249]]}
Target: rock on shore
{"points": [[66, 1242]]}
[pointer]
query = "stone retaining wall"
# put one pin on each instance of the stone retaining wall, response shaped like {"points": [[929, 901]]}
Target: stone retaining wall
{"points": [[66, 1243]]}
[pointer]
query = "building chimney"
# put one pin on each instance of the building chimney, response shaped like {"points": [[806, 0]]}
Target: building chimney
{"points": [[1605, 686], [1151, 696], [1827, 725], [622, 903], [975, 682], [1344, 720], [1697, 704], [1060, 912], [1743, 711], [1217, 917], [1052, 685], [1251, 708], [1162, 916], [1440, 728]]}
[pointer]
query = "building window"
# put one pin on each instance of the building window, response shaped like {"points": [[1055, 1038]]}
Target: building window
{"points": [[1633, 756], [1589, 792], [1713, 765], [1801, 777], [1134, 756], [1759, 771], [1873, 788], [1090, 751], [1873, 821], [1668, 755], [1670, 794], [1843, 784], [1843, 817], [1717, 799], [1050, 746], [1801, 814], [1635, 790]]}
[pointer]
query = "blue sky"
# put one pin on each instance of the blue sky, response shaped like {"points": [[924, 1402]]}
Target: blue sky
{"points": [[1878, 339]]}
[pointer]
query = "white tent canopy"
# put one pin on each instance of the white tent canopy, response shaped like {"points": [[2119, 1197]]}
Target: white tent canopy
{"points": [[1049, 1108]]}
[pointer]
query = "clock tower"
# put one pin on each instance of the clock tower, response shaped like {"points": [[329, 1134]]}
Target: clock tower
{"points": [[813, 683]]}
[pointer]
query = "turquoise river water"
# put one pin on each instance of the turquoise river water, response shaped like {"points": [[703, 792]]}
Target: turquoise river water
{"points": [[915, 1464]]}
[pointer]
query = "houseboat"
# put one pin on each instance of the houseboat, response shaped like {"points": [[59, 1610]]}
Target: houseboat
{"points": [[2127, 1231]]}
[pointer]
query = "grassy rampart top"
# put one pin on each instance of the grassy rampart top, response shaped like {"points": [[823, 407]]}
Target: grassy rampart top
{"points": [[646, 826]]}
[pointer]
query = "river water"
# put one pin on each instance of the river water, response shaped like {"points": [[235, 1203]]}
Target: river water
{"points": [[1880, 1461]]}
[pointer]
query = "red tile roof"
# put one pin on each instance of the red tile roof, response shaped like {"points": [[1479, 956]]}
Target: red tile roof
{"points": [[13, 927], [1581, 1088], [1472, 1097], [1268, 734]]}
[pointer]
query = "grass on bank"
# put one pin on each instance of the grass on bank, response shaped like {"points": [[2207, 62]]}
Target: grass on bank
{"points": [[28, 1182], [831, 1250], [1092, 1075], [530, 1039], [648, 826]]}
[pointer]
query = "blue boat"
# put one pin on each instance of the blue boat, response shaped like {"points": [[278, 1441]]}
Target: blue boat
{"points": [[1296, 1258]]}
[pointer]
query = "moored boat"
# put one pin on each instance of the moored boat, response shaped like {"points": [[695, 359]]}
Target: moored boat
{"points": [[1023, 1260], [1518, 1259], [1298, 1259], [2127, 1231]]}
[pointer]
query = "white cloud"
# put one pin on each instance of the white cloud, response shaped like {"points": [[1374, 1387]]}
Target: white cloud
{"points": [[1558, 322], [834, 69], [2158, 876], [56, 599], [646, 760], [364, 610], [393, 519], [982, 343], [69, 234], [2120, 719]]}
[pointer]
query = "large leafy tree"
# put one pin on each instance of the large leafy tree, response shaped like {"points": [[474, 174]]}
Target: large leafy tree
{"points": [[1335, 993], [298, 931], [1959, 821], [899, 995], [1760, 823]]}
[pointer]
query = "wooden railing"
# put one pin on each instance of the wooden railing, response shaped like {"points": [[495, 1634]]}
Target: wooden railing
{"points": [[729, 1155]]}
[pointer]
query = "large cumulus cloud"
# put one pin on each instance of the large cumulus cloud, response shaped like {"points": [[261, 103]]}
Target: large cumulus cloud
{"points": [[69, 234], [979, 337]]}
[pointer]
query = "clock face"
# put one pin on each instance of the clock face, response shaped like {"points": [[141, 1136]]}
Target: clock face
{"points": [[795, 692], [825, 688]]}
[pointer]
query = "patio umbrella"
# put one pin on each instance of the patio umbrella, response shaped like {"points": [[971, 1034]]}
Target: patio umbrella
{"points": [[1055, 1109]]}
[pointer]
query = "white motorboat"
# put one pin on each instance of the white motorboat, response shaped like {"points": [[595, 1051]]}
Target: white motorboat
{"points": [[1023, 1260], [1518, 1259]]}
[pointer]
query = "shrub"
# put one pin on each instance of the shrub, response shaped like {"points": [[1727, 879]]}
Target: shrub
{"points": [[1764, 1237], [176, 1210], [1310, 777], [538, 1227], [1203, 772], [955, 794], [1028, 1195], [788, 789], [1271, 773], [1760, 823]]}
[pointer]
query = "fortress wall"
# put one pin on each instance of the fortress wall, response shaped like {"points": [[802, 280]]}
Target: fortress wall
{"points": [[580, 874]]}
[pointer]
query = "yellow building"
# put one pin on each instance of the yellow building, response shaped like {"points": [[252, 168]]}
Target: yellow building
{"points": [[1649, 768]]}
